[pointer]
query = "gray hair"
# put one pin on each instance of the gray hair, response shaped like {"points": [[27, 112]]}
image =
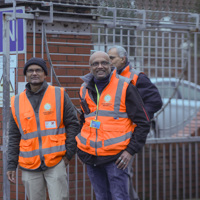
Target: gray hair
{"points": [[121, 51]]}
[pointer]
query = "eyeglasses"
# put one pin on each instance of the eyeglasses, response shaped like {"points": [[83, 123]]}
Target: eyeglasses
{"points": [[103, 63], [112, 57], [37, 71]]}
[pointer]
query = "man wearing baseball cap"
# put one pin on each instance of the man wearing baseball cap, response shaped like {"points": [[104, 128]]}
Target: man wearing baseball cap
{"points": [[43, 126]]}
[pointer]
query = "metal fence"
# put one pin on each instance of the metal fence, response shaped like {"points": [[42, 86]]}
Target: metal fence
{"points": [[165, 45]]}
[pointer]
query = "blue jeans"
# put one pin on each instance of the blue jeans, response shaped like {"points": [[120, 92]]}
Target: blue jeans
{"points": [[109, 182]]}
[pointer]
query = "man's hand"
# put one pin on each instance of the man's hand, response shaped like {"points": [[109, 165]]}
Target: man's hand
{"points": [[65, 160], [123, 161], [11, 176]]}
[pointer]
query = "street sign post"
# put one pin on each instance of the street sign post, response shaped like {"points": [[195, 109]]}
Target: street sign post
{"points": [[17, 32]]}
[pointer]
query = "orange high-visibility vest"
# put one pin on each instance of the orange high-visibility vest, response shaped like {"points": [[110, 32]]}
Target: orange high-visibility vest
{"points": [[42, 134], [115, 129], [131, 73]]}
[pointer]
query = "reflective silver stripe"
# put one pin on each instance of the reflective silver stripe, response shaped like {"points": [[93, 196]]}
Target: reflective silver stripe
{"points": [[92, 143], [29, 154], [117, 139], [118, 96], [133, 72], [54, 149], [82, 139], [96, 144], [113, 114], [83, 90], [43, 133], [106, 142], [58, 105], [16, 105]]}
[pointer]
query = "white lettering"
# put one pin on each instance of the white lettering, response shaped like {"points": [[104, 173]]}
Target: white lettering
{"points": [[12, 33]]}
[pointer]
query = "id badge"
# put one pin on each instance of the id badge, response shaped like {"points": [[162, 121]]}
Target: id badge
{"points": [[95, 124]]}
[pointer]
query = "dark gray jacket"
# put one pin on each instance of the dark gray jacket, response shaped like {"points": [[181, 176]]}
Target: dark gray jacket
{"points": [[70, 120]]}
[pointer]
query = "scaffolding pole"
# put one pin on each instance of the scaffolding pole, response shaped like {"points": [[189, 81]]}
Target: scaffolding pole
{"points": [[6, 102]]}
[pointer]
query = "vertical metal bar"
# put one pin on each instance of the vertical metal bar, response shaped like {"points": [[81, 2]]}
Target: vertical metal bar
{"points": [[76, 177], [176, 54], [143, 173], [164, 170], [68, 179], [190, 171], [106, 38], [182, 66], [177, 171], [170, 54], [114, 30], [142, 50], [42, 42], [176, 70], [128, 42], [157, 172], [150, 172], [16, 77], [183, 163], [149, 53], [170, 172], [156, 53], [34, 38], [196, 170], [84, 182], [121, 36], [135, 49], [136, 173], [163, 57], [195, 72], [6, 102], [99, 38], [17, 183]]}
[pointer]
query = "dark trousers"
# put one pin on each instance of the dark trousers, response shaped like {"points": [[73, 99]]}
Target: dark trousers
{"points": [[109, 182]]}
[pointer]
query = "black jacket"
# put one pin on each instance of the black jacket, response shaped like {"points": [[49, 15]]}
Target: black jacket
{"points": [[149, 93], [70, 120], [136, 112]]}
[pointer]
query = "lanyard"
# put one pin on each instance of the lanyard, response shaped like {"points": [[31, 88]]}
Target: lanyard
{"points": [[98, 96]]}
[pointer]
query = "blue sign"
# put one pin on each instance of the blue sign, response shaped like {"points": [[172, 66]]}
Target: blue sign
{"points": [[13, 29]]}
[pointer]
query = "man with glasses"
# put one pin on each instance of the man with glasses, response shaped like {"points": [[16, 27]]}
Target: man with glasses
{"points": [[43, 126], [114, 128], [147, 90]]}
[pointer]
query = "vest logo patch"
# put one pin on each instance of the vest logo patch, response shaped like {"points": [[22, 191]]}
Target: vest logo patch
{"points": [[47, 106], [107, 98]]}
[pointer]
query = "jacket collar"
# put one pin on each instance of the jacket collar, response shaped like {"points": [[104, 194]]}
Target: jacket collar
{"points": [[123, 68]]}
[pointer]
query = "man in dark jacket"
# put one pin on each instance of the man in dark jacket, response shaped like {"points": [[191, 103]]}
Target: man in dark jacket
{"points": [[147, 90], [115, 127], [43, 126]]}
